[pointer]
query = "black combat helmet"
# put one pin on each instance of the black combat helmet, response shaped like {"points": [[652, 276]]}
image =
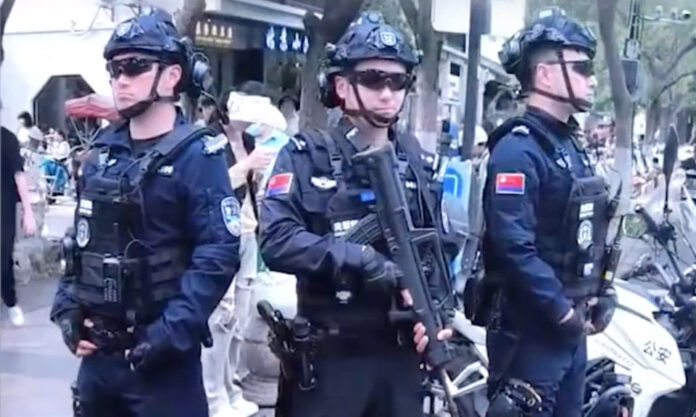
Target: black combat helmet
{"points": [[368, 37], [153, 33], [551, 28]]}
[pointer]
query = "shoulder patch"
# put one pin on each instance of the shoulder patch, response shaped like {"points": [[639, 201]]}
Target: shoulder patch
{"points": [[510, 183], [521, 130], [279, 184], [231, 215], [213, 144]]}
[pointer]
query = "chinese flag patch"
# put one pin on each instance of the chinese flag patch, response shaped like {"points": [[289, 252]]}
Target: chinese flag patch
{"points": [[509, 184], [279, 184]]}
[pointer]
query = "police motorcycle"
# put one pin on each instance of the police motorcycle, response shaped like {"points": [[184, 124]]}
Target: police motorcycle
{"points": [[664, 383], [669, 388]]}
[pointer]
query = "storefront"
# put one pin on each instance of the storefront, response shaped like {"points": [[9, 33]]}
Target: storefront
{"points": [[240, 50]]}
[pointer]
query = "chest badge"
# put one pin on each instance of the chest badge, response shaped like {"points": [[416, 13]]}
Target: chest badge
{"points": [[323, 183], [166, 170], [82, 233], [585, 234]]}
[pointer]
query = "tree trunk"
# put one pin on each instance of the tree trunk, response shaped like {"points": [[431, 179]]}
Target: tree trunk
{"points": [[425, 103], [337, 16], [186, 14], [606, 12], [5, 10], [652, 120], [664, 121], [312, 111]]}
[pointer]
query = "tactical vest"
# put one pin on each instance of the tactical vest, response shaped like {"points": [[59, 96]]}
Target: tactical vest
{"points": [[343, 304], [579, 261], [117, 273]]}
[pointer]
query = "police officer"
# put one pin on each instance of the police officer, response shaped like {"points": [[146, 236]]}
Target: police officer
{"points": [[546, 218], [156, 236], [364, 365]]}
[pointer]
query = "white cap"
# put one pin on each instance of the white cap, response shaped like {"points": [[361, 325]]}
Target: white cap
{"points": [[255, 109]]}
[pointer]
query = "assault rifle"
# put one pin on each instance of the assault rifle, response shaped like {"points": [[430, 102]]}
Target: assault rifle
{"points": [[418, 252]]}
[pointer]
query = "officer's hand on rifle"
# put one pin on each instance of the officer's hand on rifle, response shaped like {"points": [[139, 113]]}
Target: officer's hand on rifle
{"points": [[381, 274], [419, 337]]}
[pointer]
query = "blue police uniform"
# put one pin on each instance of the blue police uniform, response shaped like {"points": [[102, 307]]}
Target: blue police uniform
{"points": [[530, 181], [187, 231], [364, 365], [544, 247]]}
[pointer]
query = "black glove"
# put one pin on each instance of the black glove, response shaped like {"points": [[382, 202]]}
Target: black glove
{"points": [[573, 328], [72, 328], [381, 275], [602, 313], [141, 357]]}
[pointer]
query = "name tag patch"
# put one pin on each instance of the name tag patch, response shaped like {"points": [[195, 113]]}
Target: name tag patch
{"points": [[341, 227]]}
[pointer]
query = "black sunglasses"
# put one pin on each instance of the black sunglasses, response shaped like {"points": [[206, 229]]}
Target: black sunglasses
{"points": [[130, 67], [377, 80], [584, 67]]}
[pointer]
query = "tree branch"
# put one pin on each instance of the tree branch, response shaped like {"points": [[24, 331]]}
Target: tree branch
{"points": [[649, 60], [411, 13], [691, 45], [186, 18], [675, 81]]}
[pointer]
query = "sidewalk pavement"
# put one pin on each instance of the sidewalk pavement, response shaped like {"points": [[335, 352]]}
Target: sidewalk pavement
{"points": [[36, 369]]}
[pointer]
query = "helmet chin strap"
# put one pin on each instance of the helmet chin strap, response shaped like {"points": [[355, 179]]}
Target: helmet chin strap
{"points": [[374, 119], [140, 107], [579, 104]]}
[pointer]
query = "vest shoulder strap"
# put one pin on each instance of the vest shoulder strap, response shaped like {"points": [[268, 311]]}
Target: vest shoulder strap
{"points": [[166, 148]]}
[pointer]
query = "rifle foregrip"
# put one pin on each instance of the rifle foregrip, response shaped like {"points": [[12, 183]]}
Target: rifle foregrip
{"points": [[365, 232]]}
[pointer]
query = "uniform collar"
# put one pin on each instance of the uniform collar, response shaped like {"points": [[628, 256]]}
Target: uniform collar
{"points": [[118, 135], [349, 130], [560, 129]]}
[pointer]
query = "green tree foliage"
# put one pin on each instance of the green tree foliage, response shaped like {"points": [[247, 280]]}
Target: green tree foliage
{"points": [[662, 43]]}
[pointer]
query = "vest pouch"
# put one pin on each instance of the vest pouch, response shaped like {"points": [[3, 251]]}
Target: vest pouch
{"points": [[105, 281], [164, 270], [586, 223]]}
